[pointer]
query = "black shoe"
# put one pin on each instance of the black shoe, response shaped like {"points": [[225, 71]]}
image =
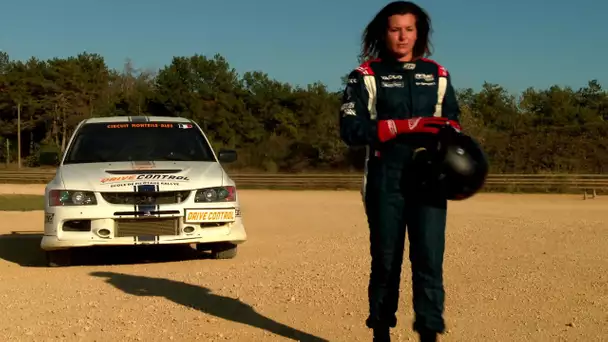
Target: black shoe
{"points": [[382, 334], [428, 336]]}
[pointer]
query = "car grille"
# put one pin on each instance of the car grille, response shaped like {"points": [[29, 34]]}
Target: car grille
{"points": [[141, 227], [135, 198]]}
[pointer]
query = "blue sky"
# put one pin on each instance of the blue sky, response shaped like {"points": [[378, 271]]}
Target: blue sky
{"points": [[515, 43]]}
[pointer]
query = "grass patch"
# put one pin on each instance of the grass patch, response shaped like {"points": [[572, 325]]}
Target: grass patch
{"points": [[21, 202]]}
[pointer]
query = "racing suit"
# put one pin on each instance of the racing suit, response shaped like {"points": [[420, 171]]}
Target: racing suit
{"points": [[393, 196]]}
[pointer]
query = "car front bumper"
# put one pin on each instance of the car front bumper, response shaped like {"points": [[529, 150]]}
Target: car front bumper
{"points": [[67, 227]]}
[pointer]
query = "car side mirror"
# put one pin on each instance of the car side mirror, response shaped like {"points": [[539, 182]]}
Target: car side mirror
{"points": [[48, 158], [227, 156]]}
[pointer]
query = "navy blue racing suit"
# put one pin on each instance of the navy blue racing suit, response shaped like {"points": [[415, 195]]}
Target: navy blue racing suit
{"points": [[394, 199]]}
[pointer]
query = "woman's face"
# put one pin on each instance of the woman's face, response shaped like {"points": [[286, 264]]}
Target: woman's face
{"points": [[401, 36]]}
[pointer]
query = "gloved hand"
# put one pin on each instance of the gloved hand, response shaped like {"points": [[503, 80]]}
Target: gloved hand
{"points": [[389, 129]]}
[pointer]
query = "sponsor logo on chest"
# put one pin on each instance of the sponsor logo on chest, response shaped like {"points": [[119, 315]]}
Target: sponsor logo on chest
{"points": [[392, 81], [396, 81], [391, 77], [397, 84], [425, 79]]}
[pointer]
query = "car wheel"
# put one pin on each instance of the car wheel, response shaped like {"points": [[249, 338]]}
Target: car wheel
{"points": [[59, 258], [224, 251]]}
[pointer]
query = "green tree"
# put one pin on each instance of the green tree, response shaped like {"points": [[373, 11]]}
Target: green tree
{"points": [[276, 126]]}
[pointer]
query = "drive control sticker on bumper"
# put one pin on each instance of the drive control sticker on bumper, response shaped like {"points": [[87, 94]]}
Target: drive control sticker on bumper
{"points": [[210, 215]]}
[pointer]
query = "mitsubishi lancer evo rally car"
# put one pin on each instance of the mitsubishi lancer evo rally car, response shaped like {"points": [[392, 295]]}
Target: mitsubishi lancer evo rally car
{"points": [[140, 180]]}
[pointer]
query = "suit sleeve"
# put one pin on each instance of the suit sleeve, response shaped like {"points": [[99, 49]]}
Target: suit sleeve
{"points": [[356, 126], [450, 106]]}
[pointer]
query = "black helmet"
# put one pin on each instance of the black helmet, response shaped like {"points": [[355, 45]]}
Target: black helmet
{"points": [[453, 163], [462, 164]]}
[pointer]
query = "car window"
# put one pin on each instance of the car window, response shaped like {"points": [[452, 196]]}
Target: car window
{"points": [[146, 141]]}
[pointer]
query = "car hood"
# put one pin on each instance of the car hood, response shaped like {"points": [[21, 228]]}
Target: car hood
{"points": [[124, 176]]}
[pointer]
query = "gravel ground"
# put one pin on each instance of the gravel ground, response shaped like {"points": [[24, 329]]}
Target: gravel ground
{"points": [[518, 268]]}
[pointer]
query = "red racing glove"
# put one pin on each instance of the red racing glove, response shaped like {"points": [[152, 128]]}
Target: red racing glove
{"points": [[389, 129]]}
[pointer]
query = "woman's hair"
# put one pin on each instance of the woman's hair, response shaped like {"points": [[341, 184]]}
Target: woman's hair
{"points": [[373, 39]]}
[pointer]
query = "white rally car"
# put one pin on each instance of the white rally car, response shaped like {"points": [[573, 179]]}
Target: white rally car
{"points": [[140, 180]]}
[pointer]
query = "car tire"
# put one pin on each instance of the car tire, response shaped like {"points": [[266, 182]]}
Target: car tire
{"points": [[220, 250], [224, 252], [59, 258]]}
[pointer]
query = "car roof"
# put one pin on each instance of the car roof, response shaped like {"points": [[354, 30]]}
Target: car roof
{"points": [[137, 119]]}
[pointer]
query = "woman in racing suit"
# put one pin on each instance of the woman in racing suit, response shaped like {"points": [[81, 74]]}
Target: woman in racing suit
{"points": [[394, 104]]}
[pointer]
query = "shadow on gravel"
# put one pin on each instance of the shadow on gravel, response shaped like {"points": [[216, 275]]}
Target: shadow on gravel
{"points": [[202, 299], [23, 248]]}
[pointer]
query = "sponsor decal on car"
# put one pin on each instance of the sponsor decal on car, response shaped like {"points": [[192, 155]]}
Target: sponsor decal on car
{"points": [[210, 215], [144, 177], [142, 125]]}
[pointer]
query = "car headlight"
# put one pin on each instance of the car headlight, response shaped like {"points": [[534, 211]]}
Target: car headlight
{"points": [[71, 198], [216, 194]]}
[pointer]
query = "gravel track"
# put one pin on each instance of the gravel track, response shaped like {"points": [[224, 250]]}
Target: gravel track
{"points": [[518, 268]]}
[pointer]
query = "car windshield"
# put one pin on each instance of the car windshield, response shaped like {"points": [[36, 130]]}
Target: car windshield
{"points": [[147, 141]]}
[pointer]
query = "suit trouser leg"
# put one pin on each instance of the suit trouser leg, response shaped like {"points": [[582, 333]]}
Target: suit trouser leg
{"points": [[426, 220], [387, 238]]}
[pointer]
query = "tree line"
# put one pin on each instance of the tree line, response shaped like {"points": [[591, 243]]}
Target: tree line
{"points": [[276, 126]]}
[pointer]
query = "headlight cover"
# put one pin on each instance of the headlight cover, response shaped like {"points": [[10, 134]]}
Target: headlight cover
{"points": [[215, 194], [59, 198]]}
